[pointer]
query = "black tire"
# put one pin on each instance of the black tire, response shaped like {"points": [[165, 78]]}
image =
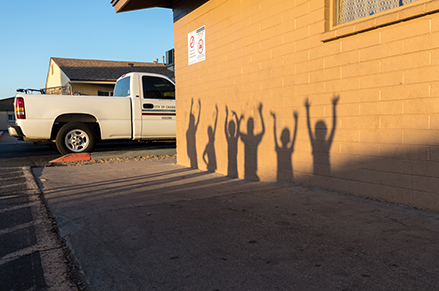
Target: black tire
{"points": [[75, 137]]}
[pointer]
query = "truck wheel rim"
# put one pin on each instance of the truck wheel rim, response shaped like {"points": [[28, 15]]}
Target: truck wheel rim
{"points": [[77, 140]]}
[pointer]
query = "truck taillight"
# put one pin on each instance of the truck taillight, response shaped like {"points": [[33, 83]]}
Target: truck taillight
{"points": [[19, 108]]}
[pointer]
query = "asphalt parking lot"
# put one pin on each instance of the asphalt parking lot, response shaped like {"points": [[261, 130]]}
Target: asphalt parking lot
{"points": [[31, 253]]}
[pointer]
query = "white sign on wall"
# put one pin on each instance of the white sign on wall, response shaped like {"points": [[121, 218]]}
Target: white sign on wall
{"points": [[197, 45]]}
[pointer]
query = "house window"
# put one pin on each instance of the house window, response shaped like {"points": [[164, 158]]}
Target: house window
{"points": [[105, 93], [349, 10], [169, 57], [11, 117]]}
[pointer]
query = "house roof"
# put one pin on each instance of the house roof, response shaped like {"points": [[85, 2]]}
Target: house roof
{"points": [[110, 71]]}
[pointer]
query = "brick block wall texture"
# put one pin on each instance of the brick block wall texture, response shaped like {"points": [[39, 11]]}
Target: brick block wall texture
{"points": [[359, 114]]}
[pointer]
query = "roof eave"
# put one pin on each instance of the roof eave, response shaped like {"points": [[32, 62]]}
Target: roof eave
{"points": [[130, 5]]}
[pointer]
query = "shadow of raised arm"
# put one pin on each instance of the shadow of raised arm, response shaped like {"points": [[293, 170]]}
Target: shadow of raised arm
{"points": [[276, 144], [308, 122], [262, 120], [334, 117], [296, 118]]}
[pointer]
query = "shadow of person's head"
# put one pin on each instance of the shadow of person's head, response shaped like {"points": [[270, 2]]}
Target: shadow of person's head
{"points": [[232, 128], [285, 137], [321, 130]]}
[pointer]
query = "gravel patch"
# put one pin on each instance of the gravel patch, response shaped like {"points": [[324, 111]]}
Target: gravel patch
{"points": [[115, 160]]}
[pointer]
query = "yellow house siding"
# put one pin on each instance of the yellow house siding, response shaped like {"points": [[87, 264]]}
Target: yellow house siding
{"points": [[91, 89], [385, 144], [4, 123], [55, 76]]}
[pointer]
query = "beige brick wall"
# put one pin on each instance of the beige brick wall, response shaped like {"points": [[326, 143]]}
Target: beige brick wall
{"points": [[386, 136]]}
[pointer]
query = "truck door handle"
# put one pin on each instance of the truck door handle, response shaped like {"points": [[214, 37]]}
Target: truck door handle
{"points": [[148, 105]]}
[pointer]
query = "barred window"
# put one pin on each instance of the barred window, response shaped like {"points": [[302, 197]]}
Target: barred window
{"points": [[349, 10], [11, 117], [105, 93]]}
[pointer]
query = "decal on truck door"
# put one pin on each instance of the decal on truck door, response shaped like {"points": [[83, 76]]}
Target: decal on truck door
{"points": [[168, 110], [158, 106], [161, 95]]}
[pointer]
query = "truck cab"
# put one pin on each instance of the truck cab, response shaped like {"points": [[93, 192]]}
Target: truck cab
{"points": [[153, 104]]}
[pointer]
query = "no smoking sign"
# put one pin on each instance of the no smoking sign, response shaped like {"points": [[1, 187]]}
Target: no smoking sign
{"points": [[200, 46], [197, 45]]}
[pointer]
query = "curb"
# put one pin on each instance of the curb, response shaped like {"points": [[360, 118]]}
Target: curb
{"points": [[126, 154], [72, 158]]}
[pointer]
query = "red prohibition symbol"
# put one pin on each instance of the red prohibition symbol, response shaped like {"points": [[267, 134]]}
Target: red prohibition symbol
{"points": [[200, 46], [192, 42]]}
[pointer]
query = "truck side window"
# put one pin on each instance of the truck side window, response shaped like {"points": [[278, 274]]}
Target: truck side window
{"points": [[122, 88], [157, 88]]}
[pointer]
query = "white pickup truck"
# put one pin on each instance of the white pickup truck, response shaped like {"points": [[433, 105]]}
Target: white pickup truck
{"points": [[142, 108]]}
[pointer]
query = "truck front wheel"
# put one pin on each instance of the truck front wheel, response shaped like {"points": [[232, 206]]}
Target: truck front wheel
{"points": [[75, 137]]}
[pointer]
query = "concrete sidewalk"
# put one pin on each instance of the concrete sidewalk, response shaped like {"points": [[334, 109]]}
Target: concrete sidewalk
{"points": [[155, 225], [6, 139]]}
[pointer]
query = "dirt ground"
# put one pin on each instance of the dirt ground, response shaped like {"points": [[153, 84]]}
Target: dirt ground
{"points": [[115, 160]]}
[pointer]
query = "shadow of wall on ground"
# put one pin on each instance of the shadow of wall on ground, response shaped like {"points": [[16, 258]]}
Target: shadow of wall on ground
{"points": [[398, 174]]}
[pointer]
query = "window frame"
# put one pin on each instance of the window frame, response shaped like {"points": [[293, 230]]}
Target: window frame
{"points": [[101, 92], [395, 15], [8, 115], [156, 89]]}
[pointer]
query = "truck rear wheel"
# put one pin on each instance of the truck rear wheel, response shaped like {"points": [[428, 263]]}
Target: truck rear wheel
{"points": [[75, 137]]}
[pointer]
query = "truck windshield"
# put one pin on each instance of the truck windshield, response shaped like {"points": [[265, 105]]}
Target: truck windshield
{"points": [[122, 88]]}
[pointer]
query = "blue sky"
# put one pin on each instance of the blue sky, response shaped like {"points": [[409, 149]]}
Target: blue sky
{"points": [[31, 32]]}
